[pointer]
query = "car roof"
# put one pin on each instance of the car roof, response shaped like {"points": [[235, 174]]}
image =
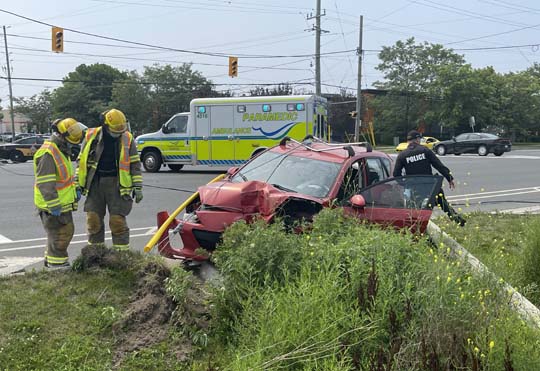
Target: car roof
{"points": [[331, 152]]}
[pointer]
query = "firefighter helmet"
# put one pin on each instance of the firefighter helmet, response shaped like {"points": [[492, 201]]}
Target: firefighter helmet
{"points": [[115, 121], [70, 129]]}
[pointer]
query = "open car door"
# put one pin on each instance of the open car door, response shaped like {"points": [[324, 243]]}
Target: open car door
{"points": [[401, 202]]}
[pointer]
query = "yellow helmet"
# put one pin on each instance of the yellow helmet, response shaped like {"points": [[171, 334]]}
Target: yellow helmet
{"points": [[70, 129], [115, 120]]}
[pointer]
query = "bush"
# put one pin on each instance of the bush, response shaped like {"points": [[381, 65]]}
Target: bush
{"points": [[350, 296]]}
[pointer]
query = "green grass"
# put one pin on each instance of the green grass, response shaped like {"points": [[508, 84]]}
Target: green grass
{"points": [[342, 296], [60, 321], [508, 244]]}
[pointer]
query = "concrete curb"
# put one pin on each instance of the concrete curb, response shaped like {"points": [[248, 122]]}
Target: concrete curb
{"points": [[518, 302]]}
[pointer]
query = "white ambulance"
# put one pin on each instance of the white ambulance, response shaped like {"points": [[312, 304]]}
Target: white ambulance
{"points": [[229, 131]]}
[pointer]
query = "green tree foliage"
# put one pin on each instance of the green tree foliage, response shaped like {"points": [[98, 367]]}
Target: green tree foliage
{"points": [[281, 89], [410, 72], [86, 92], [171, 88], [132, 97], [38, 109]]}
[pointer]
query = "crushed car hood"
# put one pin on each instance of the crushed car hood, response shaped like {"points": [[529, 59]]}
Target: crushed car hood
{"points": [[247, 197]]}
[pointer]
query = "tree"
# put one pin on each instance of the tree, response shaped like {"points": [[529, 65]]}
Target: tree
{"points": [[38, 109], [86, 92], [132, 97], [280, 89], [410, 70], [171, 89]]}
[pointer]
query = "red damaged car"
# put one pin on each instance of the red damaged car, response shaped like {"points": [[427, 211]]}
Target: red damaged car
{"points": [[294, 181]]}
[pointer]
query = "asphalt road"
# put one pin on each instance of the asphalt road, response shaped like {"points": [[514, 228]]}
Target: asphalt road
{"points": [[483, 183]]}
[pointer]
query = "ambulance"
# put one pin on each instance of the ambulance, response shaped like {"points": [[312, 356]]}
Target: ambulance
{"points": [[229, 131]]}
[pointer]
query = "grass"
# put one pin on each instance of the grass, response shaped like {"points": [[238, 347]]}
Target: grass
{"points": [[508, 244], [341, 296]]}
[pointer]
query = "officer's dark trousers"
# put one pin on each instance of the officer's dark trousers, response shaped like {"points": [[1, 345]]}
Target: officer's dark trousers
{"points": [[449, 210]]}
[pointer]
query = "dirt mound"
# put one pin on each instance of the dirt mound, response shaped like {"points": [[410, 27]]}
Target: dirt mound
{"points": [[100, 257], [152, 314]]}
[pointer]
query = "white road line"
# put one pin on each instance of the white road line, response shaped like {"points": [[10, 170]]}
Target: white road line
{"points": [[4, 239], [76, 235], [493, 196], [72, 243], [533, 189]]}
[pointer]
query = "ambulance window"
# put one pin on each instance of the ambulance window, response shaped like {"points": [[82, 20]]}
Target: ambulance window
{"points": [[290, 107], [300, 106], [241, 109], [266, 108], [178, 125], [201, 109]]}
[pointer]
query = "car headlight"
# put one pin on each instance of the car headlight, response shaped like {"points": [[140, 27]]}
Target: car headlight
{"points": [[190, 218]]}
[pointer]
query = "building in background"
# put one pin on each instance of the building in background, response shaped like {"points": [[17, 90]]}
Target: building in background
{"points": [[22, 123]]}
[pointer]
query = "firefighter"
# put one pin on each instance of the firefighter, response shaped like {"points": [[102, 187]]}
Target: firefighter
{"points": [[109, 175], [55, 192], [418, 160]]}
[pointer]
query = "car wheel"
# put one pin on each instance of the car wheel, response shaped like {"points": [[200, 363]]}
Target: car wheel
{"points": [[176, 168], [482, 151], [441, 150], [17, 156], [152, 161]]}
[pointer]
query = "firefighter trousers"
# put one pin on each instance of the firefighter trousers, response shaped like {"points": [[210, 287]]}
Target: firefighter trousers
{"points": [[103, 196], [59, 231]]}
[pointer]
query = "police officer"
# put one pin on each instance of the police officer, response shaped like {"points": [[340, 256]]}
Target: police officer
{"points": [[418, 160]]}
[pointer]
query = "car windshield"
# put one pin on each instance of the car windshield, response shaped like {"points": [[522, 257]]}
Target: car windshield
{"points": [[291, 173]]}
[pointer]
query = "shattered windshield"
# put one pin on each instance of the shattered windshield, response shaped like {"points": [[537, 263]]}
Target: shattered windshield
{"points": [[291, 173]]}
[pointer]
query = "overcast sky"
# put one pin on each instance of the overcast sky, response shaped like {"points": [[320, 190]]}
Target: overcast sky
{"points": [[250, 28]]}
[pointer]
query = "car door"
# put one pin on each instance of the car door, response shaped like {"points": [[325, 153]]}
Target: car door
{"points": [[460, 143], [176, 146], [401, 202], [472, 143]]}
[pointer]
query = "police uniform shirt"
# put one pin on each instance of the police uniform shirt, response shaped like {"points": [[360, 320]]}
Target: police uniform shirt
{"points": [[418, 160]]}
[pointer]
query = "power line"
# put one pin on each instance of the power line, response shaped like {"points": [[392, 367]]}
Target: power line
{"points": [[213, 54], [133, 82]]}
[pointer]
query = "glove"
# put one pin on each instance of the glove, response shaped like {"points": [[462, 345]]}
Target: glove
{"points": [[57, 211], [79, 194], [137, 194]]}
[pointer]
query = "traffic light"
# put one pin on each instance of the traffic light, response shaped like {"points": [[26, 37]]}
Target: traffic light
{"points": [[233, 66], [57, 39], [353, 114]]}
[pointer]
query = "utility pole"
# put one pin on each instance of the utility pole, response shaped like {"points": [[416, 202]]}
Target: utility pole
{"points": [[10, 90], [358, 120], [318, 31]]}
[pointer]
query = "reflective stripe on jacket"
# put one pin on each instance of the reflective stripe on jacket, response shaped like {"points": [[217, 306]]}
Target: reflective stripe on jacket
{"points": [[63, 179], [124, 174]]}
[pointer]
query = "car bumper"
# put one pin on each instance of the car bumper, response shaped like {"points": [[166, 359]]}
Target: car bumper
{"points": [[4, 154]]}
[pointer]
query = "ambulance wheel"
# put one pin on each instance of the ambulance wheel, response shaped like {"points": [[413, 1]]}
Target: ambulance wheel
{"points": [[152, 161], [176, 168]]}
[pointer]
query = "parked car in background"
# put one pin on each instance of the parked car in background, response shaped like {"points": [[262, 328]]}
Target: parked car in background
{"points": [[428, 142], [294, 181], [24, 149], [481, 143]]}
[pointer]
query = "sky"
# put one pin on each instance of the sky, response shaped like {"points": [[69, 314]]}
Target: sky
{"points": [[273, 40]]}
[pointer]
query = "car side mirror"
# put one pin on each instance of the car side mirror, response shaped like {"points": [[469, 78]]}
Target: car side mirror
{"points": [[165, 129], [358, 201], [454, 139], [232, 170]]}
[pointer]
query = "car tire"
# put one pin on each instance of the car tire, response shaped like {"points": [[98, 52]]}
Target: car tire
{"points": [[17, 156], [175, 168], [440, 150], [152, 161], [482, 150]]}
